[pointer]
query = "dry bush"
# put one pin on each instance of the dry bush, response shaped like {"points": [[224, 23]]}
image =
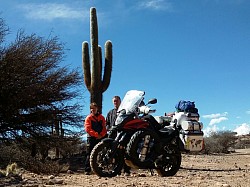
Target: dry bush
{"points": [[21, 154], [46, 167], [219, 142], [243, 142], [11, 169], [70, 147], [12, 153], [9, 154]]}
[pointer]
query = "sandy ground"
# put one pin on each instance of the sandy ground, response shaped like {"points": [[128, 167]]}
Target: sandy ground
{"points": [[197, 170]]}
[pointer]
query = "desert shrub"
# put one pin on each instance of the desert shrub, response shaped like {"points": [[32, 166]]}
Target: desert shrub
{"points": [[21, 153], [13, 153], [11, 169], [9, 153], [70, 147], [45, 167], [12, 172], [219, 142], [243, 142]]}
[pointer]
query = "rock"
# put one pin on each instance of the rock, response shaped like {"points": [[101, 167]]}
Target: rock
{"points": [[31, 185], [141, 175], [58, 181], [54, 181], [51, 177], [70, 171], [50, 182], [222, 184]]}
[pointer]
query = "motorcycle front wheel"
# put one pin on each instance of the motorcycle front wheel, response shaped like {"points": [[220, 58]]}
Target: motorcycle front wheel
{"points": [[171, 161], [103, 162]]}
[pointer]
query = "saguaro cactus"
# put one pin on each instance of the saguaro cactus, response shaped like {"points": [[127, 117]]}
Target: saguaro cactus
{"points": [[94, 81]]}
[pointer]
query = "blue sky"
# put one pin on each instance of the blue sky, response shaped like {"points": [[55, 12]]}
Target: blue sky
{"points": [[195, 50]]}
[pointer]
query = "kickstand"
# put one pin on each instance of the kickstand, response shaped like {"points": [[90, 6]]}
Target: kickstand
{"points": [[152, 172]]}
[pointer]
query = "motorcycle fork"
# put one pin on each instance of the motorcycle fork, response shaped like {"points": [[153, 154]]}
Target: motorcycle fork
{"points": [[117, 144]]}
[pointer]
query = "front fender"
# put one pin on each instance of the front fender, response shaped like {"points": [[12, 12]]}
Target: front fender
{"points": [[108, 140]]}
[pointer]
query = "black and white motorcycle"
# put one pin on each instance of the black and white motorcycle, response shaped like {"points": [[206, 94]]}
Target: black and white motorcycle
{"points": [[142, 141]]}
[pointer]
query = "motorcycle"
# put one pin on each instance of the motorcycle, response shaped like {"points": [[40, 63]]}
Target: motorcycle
{"points": [[140, 141]]}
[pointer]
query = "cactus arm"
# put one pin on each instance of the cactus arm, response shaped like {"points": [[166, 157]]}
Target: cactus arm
{"points": [[86, 64], [108, 66]]}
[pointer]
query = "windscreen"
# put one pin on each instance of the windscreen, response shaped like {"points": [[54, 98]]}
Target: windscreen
{"points": [[131, 101]]}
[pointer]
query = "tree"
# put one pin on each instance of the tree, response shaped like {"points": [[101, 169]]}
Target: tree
{"points": [[3, 30], [35, 92]]}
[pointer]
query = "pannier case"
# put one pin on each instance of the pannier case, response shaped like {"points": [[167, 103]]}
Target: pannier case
{"points": [[193, 141], [191, 133]]}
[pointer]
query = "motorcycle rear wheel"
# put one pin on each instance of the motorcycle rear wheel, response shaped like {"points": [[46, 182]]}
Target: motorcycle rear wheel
{"points": [[102, 164], [171, 163], [133, 149]]}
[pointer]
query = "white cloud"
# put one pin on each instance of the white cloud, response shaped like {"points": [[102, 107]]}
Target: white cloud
{"points": [[156, 5], [248, 112], [243, 129], [218, 115], [208, 130], [50, 11], [217, 120]]}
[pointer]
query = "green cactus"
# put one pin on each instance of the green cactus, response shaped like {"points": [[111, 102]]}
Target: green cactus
{"points": [[95, 83]]}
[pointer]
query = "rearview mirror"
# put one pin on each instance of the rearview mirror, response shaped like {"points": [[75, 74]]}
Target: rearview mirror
{"points": [[152, 101]]}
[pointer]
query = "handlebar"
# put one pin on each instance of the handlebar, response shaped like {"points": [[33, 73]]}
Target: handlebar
{"points": [[145, 110]]}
